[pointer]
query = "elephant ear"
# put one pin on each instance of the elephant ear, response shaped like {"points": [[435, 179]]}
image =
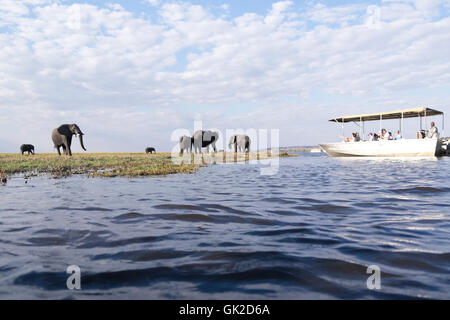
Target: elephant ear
{"points": [[207, 136]]}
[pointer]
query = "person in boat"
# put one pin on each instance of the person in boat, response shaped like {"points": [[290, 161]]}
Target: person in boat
{"points": [[370, 137], [433, 132], [356, 137], [398, 135], [384, 134], [380, 135], [350, 139], [376, 137], [353, 138], [421, 134]]}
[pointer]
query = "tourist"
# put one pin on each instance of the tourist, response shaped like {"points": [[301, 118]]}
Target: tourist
{"points": [[433, 132]]}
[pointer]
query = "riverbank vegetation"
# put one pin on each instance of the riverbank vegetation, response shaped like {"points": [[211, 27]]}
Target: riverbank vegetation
{"points": [[117, 164]]}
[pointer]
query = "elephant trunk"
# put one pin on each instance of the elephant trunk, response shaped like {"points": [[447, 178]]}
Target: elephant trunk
{"points": [[81, 142]]}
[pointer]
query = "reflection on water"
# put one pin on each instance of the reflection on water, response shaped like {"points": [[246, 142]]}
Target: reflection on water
{"points": [[227, 232]]}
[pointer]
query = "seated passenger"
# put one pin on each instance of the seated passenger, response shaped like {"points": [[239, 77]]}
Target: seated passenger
{"points": [[398, 135], [384, 134], [356, 137], [352, 138], [433, 132]]}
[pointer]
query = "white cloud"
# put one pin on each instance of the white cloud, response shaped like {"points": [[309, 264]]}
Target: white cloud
{"points": [[343, 14], [111, 70], [425, 7], [154, 2]]}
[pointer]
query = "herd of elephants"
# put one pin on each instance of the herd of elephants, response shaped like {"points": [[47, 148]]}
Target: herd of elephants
{"points": [[62, 138]]}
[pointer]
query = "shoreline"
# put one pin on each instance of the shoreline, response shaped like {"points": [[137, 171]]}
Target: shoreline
{"points": [[125, 164]]}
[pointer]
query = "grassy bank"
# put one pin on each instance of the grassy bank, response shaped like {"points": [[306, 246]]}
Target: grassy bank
{"points": [[115, 164]]}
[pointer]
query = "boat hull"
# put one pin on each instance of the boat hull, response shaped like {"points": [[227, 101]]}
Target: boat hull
{"points": [[383, 148]]}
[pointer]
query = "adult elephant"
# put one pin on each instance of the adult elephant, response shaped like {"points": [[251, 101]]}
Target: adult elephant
{"points": [[241, 142], [150, 150], [27, 148], [186, 144], [62, 137], [202, 139]]}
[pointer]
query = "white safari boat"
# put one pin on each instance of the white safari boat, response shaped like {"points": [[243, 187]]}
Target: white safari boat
{"points": [[426, 147]]}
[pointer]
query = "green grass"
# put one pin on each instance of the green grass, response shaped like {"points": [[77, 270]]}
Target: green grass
{"points": [[114, 164]]}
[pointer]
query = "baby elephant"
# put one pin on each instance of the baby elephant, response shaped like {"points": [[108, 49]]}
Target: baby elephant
{"points": [[186, 144], [27, 148], [150, 150]]}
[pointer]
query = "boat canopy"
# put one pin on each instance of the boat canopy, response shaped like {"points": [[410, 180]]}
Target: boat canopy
{"points": [[406, 113]]}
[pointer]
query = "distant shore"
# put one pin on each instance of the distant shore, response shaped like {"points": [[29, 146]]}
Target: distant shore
{"points": [[117, 164], [299, 149]]}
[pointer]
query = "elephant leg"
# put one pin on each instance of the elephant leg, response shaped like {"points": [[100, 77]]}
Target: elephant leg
{"points": [[57, 149], [65, 145]]}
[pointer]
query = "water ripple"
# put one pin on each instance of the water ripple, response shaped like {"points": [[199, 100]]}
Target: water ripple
{"points": [[227, 232]]}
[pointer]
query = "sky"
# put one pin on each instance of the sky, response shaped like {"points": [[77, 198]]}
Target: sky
{"points": [[131, 73]]}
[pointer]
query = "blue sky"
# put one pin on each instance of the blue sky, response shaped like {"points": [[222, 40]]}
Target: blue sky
{"points": [[130, 73]]}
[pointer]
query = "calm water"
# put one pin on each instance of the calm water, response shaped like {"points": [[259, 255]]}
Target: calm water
{"points": [[226, 232]]}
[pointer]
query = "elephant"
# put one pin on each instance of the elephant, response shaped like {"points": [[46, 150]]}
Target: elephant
{"points": [[27, 148], [186, 144], [150, 150], [203, 139], [240, 141], [62, 137]]}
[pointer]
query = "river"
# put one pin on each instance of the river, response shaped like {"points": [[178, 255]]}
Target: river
{"points": [[227, 232]]}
